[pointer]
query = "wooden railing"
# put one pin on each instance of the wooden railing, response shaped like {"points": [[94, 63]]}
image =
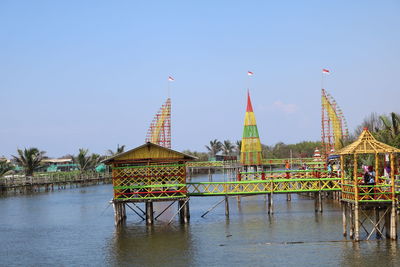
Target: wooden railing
{"points": [[52, 178]]}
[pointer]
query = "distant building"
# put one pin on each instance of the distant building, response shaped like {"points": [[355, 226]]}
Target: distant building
{"points": [[59, 165]]}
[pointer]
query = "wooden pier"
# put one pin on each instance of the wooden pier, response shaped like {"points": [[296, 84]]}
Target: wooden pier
{"points": [[153, 173], [20, 184]]}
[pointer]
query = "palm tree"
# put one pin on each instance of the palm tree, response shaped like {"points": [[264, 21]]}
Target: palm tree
{"points": [[227, 148], [30, 159], [390, 132], [215, 147], [86, 162], [120, 149], [238, 147], [5, 168]]}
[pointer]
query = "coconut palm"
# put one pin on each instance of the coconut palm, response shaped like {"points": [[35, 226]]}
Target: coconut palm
{"points": [[85, 161], [5, 168], [120, 149], [29, 159], [390, 132], [215, 147], [238, 146], [227, 148]]}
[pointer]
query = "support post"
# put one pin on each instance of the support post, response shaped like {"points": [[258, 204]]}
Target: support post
{"points": [[270, 203], [377, 224], [344, 220], [184, 213], [351, 218], [393, 222], [226, 206], [320, 201], [387, 221], [356, 223], [316, 198], [149, 213]]}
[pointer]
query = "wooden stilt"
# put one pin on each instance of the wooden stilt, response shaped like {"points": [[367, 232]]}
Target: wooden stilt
{"points": [[356, 223], [288, 197], [344, 220], [377, 224], [393, 223], [270, 204], [184, 213], [320, 202], [226, 206], [351, 218], [387, 221], [149, 213], [316, 201]]}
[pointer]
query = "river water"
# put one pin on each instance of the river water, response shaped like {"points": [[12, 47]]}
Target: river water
{"points": [[75, 227]]}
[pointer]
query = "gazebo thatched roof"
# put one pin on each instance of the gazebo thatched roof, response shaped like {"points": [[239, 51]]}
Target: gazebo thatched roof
{"points": [[367, 144]]}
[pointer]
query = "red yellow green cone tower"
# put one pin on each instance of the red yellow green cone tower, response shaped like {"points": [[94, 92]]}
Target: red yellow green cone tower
{"points": [[250, 151]]}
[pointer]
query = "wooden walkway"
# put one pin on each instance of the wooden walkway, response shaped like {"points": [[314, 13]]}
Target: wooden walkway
{"points": [[50, 181]]}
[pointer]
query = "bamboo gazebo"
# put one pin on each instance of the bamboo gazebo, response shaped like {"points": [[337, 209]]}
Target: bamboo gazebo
{"points": [[149, 173], [368, 200]]}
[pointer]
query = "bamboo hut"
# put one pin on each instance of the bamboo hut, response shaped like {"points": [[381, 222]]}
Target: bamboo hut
{"points": [[361, 198], [147, 174]]}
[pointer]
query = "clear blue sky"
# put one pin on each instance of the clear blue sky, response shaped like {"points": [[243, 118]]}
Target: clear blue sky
{"points": [[92, 74]]}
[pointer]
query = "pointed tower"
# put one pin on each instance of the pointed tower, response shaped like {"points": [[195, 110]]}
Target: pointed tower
{"points": [[160, 128], [250, 151]]}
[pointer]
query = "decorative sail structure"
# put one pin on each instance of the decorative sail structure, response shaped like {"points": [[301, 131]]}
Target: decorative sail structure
{"points": [[160, 128], [334, 125], [250, 151]]}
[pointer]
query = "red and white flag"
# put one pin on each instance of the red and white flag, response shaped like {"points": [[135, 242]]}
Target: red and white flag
{"points": [[170, 79], [325, 71], [250, 73]]}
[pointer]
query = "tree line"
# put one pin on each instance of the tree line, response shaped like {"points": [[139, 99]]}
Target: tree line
{"points": [[384, 127], [31, 160]]}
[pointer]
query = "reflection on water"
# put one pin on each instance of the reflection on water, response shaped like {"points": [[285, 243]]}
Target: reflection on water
{"points": [[76, 227]]}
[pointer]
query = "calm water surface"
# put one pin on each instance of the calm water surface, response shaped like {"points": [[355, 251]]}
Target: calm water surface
{"points": [[75, 227]]}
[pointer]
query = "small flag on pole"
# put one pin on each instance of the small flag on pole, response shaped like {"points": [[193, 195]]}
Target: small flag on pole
{"points": [[325, 71], [250, 73], [170, 79]]}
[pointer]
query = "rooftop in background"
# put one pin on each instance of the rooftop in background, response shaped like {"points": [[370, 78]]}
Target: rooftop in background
{"points": [[57, 161]]}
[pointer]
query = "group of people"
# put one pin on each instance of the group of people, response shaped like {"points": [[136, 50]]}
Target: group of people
{"points": [[369, 175]]}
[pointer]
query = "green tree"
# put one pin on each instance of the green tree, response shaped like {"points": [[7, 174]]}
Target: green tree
{"points": [[227, 148], [215, 147], [29, 159], [85, 161], [5, 168], [119, 150], [238, 147]]}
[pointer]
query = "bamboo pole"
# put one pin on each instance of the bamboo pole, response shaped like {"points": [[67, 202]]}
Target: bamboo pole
{"points": [[226, 206], [393, 223], [351, 217], [344, 220]]}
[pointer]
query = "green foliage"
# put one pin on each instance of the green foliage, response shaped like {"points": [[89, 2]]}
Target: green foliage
{"points": [[29, 159], [215, 147], [85, 161], [303, 149], [5, 168], [227, 148], [120, 149], [385, 128]]}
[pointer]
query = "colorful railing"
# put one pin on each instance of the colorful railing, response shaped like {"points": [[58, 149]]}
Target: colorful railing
{"points": [[297, 161], [380, 192], [293, 185]]}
